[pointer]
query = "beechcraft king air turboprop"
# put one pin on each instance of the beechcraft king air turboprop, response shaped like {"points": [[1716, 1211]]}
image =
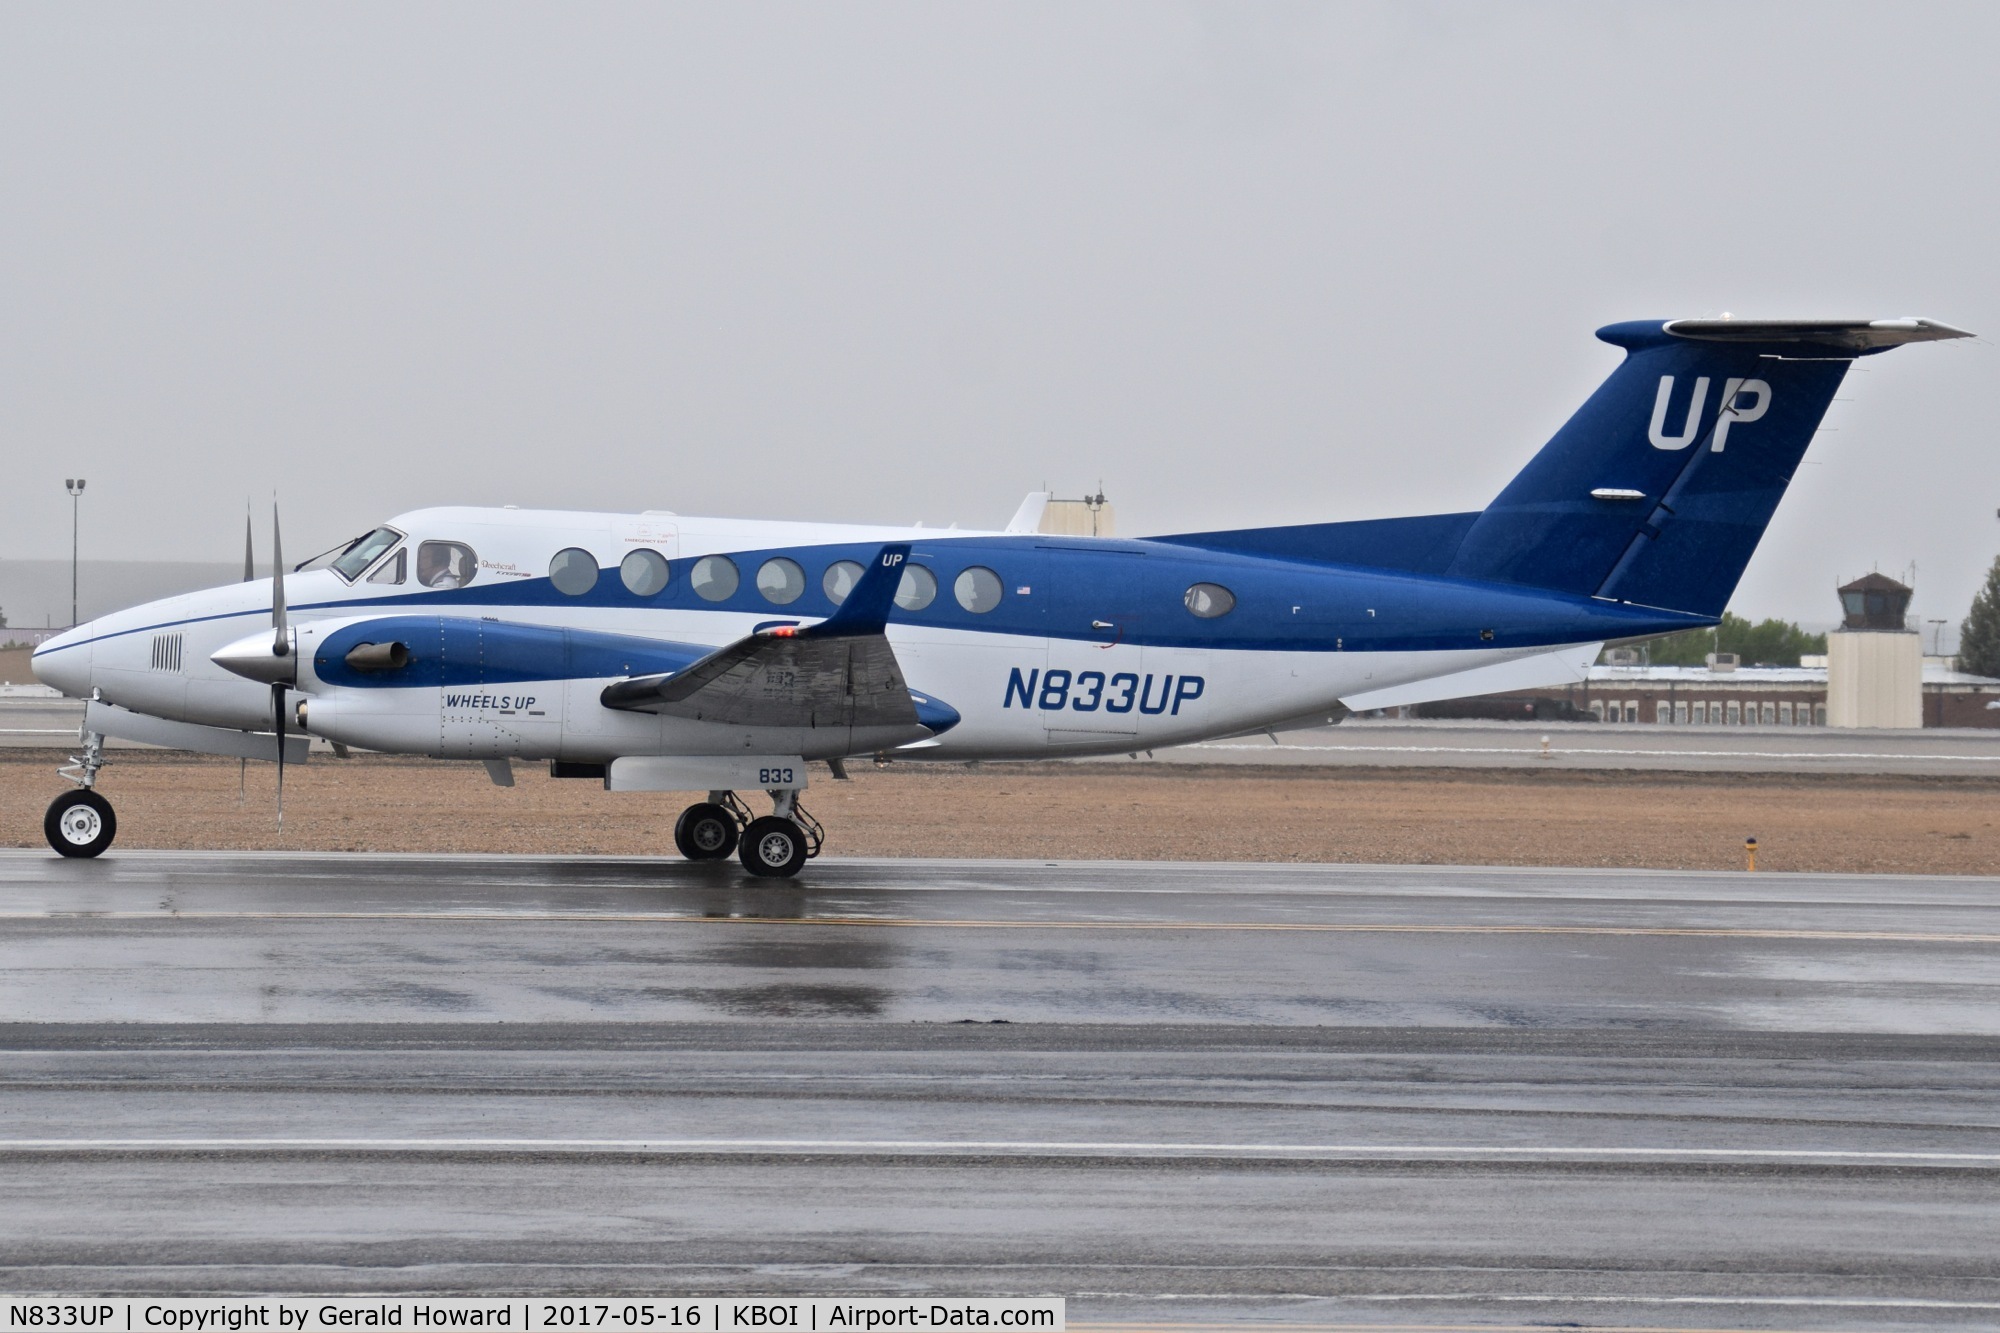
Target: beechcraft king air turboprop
{"points": [[664, 653]]}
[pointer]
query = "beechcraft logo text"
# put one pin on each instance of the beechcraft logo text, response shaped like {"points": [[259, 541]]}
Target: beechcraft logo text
{"points": [[1734, 411]]}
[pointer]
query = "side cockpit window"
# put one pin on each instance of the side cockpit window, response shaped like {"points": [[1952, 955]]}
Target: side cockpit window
{"points": [[393, 570], [445, 564], [363, 552]]}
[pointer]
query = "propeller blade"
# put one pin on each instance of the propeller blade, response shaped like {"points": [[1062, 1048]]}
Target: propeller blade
{"points": [[281, 646], [249, 552], [278, 726], [281, 639]]}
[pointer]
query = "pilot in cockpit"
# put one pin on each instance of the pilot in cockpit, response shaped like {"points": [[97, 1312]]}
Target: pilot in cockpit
{"points": [[444, 565]]}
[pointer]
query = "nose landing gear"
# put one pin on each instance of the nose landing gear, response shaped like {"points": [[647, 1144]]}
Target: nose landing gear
{"points": [[774, 846], [81, 823]]}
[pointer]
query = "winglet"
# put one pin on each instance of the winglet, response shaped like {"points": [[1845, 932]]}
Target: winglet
{"points": [[866, 609]]}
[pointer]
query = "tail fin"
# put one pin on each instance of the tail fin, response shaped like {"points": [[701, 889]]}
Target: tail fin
{"points": [[1658, 490]]}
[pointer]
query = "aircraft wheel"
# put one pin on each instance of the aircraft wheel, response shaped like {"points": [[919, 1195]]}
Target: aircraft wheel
{"points": [[705, 832], [80, 823], [773, 847]]}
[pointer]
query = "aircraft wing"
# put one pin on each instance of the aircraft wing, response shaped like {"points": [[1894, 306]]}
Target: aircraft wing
{"points": [[838, 673]]}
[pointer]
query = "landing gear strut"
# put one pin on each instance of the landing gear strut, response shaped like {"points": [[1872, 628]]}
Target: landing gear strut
{"points": [[774, 846], [81, 822]]}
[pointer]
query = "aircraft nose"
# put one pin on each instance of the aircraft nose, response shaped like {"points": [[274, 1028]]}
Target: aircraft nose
{"points": [[64, 661]]}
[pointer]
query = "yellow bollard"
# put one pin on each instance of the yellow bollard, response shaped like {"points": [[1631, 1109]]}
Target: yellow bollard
{"points": [[1750, 851]]}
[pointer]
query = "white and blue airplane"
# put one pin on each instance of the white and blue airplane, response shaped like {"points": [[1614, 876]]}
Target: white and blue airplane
{"points": [[657, 652]]}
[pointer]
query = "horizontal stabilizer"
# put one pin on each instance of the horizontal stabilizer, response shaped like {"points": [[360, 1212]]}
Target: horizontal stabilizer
{"points": [[1566, 666], [1849, 335]]}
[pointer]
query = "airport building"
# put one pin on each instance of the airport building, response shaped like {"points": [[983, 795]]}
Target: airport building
{"points": [[1874, 674]]}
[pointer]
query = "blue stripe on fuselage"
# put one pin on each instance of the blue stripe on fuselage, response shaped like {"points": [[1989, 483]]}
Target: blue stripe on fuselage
{"points": [[1061, 588], [453, 650]]}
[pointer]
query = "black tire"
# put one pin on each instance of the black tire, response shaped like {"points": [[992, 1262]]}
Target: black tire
{"points": [[80, 823], [705, 832], [772, 847]]}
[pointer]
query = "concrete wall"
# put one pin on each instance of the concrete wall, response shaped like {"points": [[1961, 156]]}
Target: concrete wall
{"points": [[1874, 678]]}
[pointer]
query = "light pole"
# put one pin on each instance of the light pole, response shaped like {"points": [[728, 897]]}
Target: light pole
{"points": [[75, 486]]}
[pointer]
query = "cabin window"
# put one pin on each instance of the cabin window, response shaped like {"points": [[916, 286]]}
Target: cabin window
{"points": [[918, 588], [393, 570], [1209, 600], [714, 578], [445, 564], [781, 581], [363, 552], [839, 580], [573, 571], [644, 573], [977, 589]]}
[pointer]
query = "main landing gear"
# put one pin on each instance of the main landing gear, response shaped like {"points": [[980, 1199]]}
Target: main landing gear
{"points": [[774, 846], [81, 822]]}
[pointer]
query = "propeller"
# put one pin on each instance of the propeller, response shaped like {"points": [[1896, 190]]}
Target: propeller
{"points": [[272, 661], [281, 647], [249, 576]]}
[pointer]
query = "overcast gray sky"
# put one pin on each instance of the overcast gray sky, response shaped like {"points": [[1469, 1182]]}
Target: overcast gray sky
{"points": [[1247, 263]]}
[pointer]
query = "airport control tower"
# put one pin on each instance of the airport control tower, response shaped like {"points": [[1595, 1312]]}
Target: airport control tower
{"points": [[1874, 661]]}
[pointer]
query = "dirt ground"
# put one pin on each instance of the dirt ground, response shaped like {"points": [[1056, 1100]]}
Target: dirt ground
{"points": [[1093, 812]]}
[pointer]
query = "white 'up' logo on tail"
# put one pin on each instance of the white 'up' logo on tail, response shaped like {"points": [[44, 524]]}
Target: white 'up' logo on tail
{"points": [[1734, 413]]}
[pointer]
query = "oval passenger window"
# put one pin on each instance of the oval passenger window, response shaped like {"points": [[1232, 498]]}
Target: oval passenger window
{"points": [[977, 589], [644, 573], [839, 580], [918, 588], [445, 564], [573, 571], [781, 580], [1209, 600], [714, 578]]}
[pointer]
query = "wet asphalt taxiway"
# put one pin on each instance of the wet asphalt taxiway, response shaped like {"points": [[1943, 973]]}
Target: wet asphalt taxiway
{"points": [[1173, 1093]]}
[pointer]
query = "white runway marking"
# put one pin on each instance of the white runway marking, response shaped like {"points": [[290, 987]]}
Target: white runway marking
{"points": [[1061, 1147]]}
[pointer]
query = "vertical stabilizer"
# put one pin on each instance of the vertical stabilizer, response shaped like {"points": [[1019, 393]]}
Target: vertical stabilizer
{"points": [[1658, 490]]}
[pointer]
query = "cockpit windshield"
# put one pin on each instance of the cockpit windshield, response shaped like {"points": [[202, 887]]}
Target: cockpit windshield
{"points": [[363, 552]]}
